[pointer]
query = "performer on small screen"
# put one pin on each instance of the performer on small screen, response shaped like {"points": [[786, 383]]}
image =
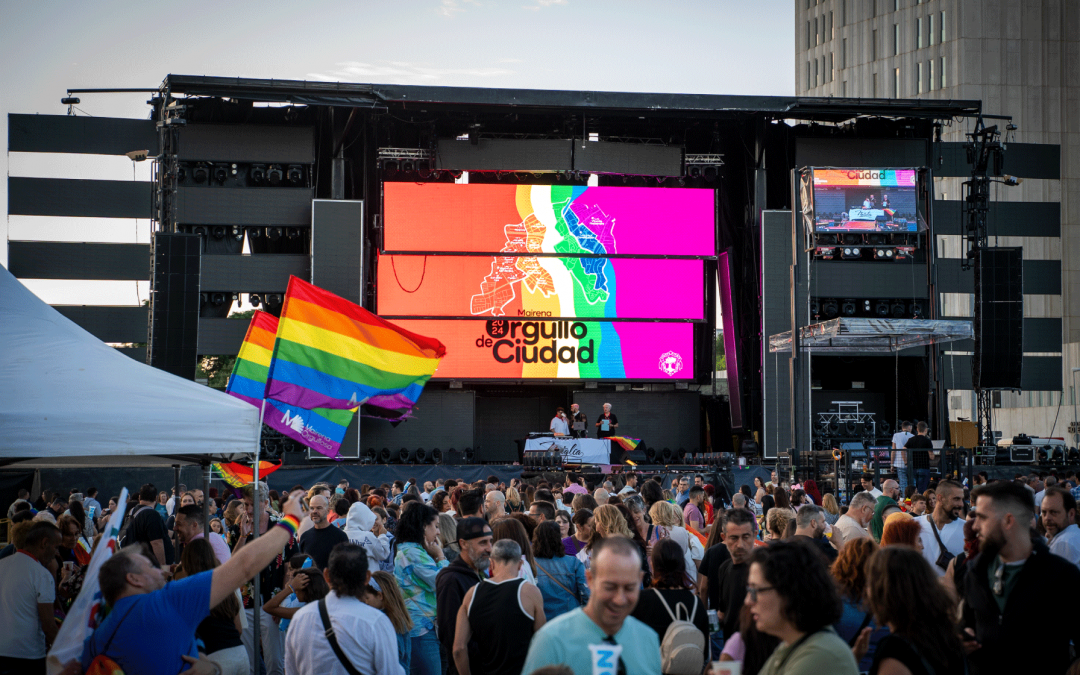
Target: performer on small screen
{"points": [[607, 423], [559, 427], [580, 421]]}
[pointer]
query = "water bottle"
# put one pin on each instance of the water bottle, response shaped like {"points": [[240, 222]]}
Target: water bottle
{"points": [[714, 622]]}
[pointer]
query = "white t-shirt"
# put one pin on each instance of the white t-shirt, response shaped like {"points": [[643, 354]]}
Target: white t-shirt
{"points": [[24, 584], [900, 439], [559, 426], [952, 535]]}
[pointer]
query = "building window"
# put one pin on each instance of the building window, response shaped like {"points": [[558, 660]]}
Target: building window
{"points": [[873, 86], [918, 78], [896, 5], [930, 74], [832, 70], [895, 39], [817, 36], [843, 89], [918, 33], [1072, 395], [873, 8], [808, 75], [942, 72], [843, 12], [873, 45], [930, 29], [832, 30], [809, 40], [843, 53], [896, 83], [941, 25], [816, 74]]}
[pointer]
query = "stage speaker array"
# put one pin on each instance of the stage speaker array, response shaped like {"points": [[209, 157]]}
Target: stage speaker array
{"points": [[999, 350], [174, 304]]}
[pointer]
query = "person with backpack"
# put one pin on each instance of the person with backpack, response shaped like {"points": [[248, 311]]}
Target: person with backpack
{"points": [[145, 526], [673, 610]]}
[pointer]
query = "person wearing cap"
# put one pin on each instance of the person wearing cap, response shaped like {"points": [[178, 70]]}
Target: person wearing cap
{"points": [[453, 582]]}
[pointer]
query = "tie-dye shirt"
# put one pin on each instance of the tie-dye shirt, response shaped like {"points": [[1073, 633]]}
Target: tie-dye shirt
{"points": [[415, 571]]}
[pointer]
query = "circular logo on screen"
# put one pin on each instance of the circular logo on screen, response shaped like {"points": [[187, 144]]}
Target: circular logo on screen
{"points": [[671, 363], [498, 328]]}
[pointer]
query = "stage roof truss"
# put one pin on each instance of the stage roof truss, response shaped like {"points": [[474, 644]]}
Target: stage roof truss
{"points": [[851, 335]]}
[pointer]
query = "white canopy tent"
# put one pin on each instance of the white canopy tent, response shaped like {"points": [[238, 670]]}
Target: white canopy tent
{"points": [[68, 399]]}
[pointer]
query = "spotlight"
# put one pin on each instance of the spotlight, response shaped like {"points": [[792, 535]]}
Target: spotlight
{"points": [[217, 299], [370, 455], [866, 306], [881, 308], [274, 175], [384, 455], [258, 173], [254, 299], [295, 173], [437, 456], [830, 308], [200, 230], [404, 456], [220, 174], [883, 254], [237, 233], [200, 173], [851, 253], [421, 455], [292, 232], [916, 310], [815, 308], [848, 308], [665, 455], [274, 233], [693, 171], [273, 300], [181, 174], [254, 233], [218, 232], [709, 173], [650, 455], [407, 165], [884, 427], [468, 456], [898, 310]]}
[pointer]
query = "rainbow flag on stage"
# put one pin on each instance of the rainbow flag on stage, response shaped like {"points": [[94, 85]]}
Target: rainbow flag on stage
{"points": [[320, 429], [331, 353], [238, 475], [627, 444]]}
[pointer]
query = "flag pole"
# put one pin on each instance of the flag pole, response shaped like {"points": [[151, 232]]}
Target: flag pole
{"points": [[256, 595]]}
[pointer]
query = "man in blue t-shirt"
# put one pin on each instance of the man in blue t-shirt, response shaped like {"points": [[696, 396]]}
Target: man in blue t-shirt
{"points": [[151, 624], [601, 634]]}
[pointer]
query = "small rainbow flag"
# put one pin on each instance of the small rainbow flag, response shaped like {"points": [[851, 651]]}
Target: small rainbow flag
{"points": [[238, 475], [320, 429], [627, 444], [890, 213], [331, 353]]}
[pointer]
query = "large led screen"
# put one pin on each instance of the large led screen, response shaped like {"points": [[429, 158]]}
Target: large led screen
{"points": [[540, 287], [521, 350], [866, 200], [571, 220]]}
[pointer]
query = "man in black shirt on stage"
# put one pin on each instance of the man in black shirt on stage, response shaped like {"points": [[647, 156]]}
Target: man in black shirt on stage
{"points": [[578, 422], [607, 423], [920, 459]]}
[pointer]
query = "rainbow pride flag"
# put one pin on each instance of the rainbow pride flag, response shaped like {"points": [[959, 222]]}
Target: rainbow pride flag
{"points": [[238, 475], [320, 429], [627, 444], [331, 353]]}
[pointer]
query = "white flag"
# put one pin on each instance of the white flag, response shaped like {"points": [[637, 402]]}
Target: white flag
{"points": [[84, 615]]}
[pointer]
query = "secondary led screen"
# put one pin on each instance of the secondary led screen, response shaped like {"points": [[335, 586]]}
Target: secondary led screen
{"points": [[519, 350], [865, 200], [524, 219], [540, 287]]}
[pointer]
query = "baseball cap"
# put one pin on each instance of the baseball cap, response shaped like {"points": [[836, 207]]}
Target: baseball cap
{"points": [[472, 528]]}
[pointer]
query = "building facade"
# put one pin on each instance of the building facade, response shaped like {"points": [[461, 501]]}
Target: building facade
{"points": [[1020, 58]]}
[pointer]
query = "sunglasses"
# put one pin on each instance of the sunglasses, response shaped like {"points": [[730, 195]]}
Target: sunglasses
{"points": [[753, 592]]}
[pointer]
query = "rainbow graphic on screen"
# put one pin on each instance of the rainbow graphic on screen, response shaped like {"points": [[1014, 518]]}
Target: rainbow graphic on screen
{"points": [[505, 349], [895, 178], [571, 220]]}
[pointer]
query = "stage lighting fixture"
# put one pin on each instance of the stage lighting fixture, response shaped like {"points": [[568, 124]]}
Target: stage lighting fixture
{"points": [[69, 100], [370, 455], [884, 427], [665, 455], [274, 174], [898, 310], [181, 174], [200, 230], [849, 429], [218, 232], [273, 299], [650, 455], [292, 232], [295, 174], [384, 455], [881, 308], [884, 254], [258, 173], [220, 174], [437, 456], [916, 310], [217, 298], [848, 308], [830, 308], [866, 306], [851, 252], [815, 308], [468, 456], [274, 233], [693, 171], [404, 456], [255, 232], [834, 427], [421, 456], [237, 233], [709, 173], [200, 173], [254, 299]]}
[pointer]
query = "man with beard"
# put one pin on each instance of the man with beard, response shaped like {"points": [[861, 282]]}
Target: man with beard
{"points": [[1006, 589], [810, 523], [322, 537], [1059, 519], [943, 530], [453, 582]]}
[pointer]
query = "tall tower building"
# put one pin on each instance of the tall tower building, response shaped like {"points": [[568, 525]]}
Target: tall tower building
{"points": [[1020, 58]]}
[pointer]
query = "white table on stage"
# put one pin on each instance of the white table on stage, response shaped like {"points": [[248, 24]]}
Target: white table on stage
{"points": [[574, 450]]}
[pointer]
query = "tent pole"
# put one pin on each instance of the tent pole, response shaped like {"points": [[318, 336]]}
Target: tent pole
{"points": [[256, 596], [206, 498], [176, 506]]}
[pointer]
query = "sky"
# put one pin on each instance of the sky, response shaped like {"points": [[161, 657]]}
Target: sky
{"points": [[46, 47]]}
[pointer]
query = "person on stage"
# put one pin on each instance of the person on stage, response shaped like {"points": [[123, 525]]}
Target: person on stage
{"points": [[607, 423], [580, 422], [559, 425]]}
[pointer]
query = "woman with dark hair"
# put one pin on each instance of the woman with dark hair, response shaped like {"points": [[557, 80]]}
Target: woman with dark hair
{"points": [[584, 502], [651, 492], [792, 596], [782, 501], [566, 528], [353, 495], [509, 527], [849, 570], [902, 592], [560, 577], [440, 501], [583, 531], [530, 494], [419, 560], [748, 645], [527, 521], [750, 503], [798, 498], [670, 597], [220, 631]]}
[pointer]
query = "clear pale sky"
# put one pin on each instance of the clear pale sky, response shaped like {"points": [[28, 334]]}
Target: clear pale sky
{"points": [[681, 46]]}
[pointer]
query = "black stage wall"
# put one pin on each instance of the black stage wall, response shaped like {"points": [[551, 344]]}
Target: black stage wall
{"points": [[661, 419]]}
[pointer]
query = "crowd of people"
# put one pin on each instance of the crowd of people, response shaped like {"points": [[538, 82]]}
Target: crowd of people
{"points": [[624, 575]]}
